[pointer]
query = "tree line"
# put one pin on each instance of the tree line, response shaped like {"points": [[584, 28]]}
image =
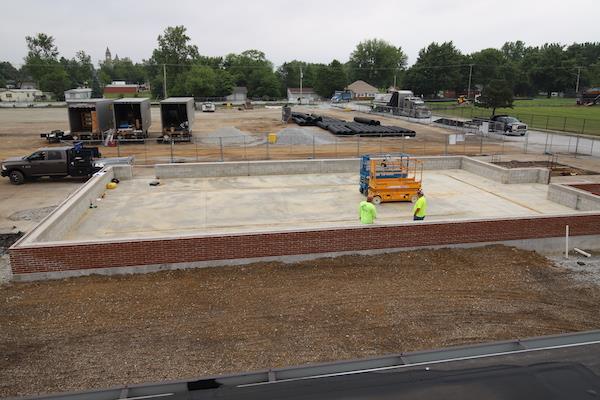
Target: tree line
{"points": [[526, 70]]}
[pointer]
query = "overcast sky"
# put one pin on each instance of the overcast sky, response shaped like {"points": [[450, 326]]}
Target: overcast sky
{"points": [[313, 30]]}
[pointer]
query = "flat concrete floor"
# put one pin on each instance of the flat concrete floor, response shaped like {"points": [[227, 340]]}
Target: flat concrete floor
{"points": [[262, 203]]}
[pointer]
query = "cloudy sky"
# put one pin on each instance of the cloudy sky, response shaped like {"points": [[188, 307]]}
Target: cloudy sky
{"points": [[313, 30]]}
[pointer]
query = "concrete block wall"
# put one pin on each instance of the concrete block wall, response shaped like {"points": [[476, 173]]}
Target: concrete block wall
{"points": [[123, 172], [505, 175], [286, 167], [60, 221], [528, 175], [49, 260], [441, 162], [573, 197]]}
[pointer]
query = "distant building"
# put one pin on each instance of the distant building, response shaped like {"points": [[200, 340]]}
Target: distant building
{"points": [[20, 95], [121, 89], [307, 95], [239, 95], [362, 90], [107, 56], [78, 94]]}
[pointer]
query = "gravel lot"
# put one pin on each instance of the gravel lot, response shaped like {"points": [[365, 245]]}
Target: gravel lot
{"points": [[584, 270], [96, 332]]}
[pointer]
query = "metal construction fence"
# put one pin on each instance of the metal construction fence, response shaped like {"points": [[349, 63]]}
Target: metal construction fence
{"points": [[244, 148], [587, 126]]}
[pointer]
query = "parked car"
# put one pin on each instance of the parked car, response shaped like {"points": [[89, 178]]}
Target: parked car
{"points": [[508, 125], [208, 107]]}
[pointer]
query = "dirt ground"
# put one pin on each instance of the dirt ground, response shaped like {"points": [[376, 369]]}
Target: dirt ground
{"points": [[557, 169], [95, 332], [20, 135]]}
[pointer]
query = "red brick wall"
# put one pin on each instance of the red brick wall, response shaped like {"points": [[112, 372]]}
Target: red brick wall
{"points": [[163, 251]]}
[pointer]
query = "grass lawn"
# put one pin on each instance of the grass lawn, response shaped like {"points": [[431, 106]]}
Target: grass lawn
{"points": [[541, 113]]}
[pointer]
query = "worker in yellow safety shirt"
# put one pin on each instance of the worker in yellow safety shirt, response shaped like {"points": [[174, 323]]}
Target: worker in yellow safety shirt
{"points": [[420, 207], [367, 211]]}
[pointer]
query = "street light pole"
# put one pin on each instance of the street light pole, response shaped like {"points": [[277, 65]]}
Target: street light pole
{"points": [[470, 74], [577, 84], [165, 81], [301, 76]]}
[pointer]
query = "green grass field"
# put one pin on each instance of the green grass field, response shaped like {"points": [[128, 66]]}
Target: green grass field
{"points": [[554, 114]]}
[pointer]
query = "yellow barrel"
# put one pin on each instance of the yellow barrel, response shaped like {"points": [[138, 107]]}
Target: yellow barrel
{"points": [[272, 138]]}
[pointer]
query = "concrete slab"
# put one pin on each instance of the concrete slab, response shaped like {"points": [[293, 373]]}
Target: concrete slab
{"points": [[185, 206]]}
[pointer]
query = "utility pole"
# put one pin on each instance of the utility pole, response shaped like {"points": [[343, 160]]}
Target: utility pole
{"points": [[165, 80], [577, 84], [301, 76], [394, 80], [470, 74]]}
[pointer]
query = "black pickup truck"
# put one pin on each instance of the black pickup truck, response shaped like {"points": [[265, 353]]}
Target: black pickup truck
{"points": [[55, 162]]}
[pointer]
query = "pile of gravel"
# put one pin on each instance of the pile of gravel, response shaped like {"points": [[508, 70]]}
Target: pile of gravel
{"points": [[229, 136], [303, 136]]}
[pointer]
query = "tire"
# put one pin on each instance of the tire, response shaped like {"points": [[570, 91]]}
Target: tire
{"points": [[377, 200], [16, 177]]}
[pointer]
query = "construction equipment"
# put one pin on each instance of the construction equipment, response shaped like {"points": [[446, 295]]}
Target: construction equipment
{"points": [[401, 102], [390, 177], [589, 97]]}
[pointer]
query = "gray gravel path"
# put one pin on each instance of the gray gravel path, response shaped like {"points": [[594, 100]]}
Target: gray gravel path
{"points": [[584, 270]]}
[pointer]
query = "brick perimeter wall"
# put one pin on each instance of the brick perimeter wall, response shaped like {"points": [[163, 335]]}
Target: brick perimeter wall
{"points": [[52, 258]]}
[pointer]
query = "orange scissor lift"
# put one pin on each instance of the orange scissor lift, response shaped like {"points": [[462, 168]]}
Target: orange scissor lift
{"points": [[395, 179]]}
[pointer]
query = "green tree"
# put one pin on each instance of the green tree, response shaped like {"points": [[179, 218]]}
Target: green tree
{"points": [[586, 60], [122, 69], [176, 54], [224, 83], [79, 69], [41, 46], [551, 70], [514, 51], [8, 74], [199, 81], [252, 69], [289, 74], [438, 67], [497, 94], [376, 62], [489, 64], [41, 63], [330, 78]]}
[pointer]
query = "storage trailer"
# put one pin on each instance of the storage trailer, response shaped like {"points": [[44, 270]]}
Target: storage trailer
{"points": [[177, 118], [91, 119], [132, 118]]}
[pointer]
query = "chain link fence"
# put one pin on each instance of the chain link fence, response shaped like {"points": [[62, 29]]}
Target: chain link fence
{"points": [[462, 141], [586, 126]]}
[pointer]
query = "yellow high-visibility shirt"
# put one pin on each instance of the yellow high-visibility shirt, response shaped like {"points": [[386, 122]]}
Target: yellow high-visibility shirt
{"points": [[367, 212], [420, 204]]}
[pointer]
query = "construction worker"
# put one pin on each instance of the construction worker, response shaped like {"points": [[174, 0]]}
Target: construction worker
{"points": [[420, 207], [367, 211]]}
